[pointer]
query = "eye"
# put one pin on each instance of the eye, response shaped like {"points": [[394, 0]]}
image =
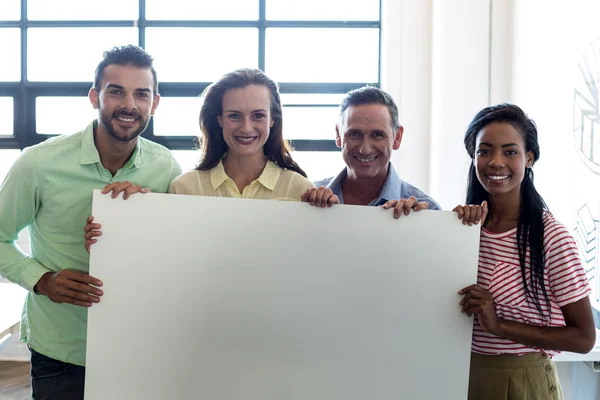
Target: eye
{"points": [[378, 134], [511, 152], [115, 92], [142, 95], [353, 134], [234, 117], [259, 116], [482, 152]]}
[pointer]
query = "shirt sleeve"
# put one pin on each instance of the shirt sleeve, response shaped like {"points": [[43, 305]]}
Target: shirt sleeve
{"points": [[567, 277], [19, 204]]}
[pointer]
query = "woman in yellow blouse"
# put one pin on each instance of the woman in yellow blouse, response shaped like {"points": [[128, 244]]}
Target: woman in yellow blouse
{"points": [[244, 154]]}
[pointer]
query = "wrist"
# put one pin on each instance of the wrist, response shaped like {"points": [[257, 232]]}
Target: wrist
{"points": [[500, 328], [40, 286]]}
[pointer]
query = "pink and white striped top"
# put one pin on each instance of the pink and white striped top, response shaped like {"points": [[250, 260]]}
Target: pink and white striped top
{"points": [[500, 273]]}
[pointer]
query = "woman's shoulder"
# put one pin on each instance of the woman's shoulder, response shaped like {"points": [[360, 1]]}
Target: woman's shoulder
{"points": [[555, 232], [293, 178], [189, 182]]}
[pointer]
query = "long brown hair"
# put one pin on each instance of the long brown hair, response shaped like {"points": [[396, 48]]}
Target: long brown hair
{"points": [[213, 146]]}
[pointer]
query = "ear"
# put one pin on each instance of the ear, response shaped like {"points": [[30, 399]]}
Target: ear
{"points": [[272, 122], [529, 158], [93, 95], [398, 138], [338, 138], [155, 104], [220, 120]]}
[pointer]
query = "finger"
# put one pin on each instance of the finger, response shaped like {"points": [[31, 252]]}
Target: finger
{"points": [[109, 187], [91, 227], [134, 189], [477, 215], [390, 204], [92, 234], [398, 208], [423, 205], [82, 278], [466, 289], [467, 215], [90, 219], [304, 197], [459, 211], [469, 313], [313, 196], [484, 212], [85, 289], [465, 298], [409, 204], [88, 244], [320, 200], [120, 187], [475, 310], [86, 298], [333, 200], [471, 303]]}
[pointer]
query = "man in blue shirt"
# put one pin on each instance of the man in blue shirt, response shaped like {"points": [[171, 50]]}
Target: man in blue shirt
{"points": [[368, 131]]}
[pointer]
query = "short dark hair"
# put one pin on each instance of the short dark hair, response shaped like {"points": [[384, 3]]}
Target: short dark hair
{"points": [[371, 95], [125, 55]]}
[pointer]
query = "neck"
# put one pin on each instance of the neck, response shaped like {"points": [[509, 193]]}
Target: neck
{"points": [[362, 191], [505, 212], [114, 153], [244, 170]]}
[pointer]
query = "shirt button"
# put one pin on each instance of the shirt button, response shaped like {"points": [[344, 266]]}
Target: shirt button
{"points": [[553, 388], [548, 368]]}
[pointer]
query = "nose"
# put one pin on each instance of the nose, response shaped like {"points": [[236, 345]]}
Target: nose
{"points": [[129, 102], [365, 146], [497, 161], [246, 125]]}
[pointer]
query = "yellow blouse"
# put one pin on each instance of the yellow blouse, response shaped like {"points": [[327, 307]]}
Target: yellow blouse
{"points": [[274, 183]]}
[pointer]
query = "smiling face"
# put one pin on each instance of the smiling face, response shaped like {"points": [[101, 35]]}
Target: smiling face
{"points": [[501, 158], [125, 101], [367, 138], [246, 120]]}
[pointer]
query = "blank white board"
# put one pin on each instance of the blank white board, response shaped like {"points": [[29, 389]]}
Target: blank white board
{"points": [[223, 299]]}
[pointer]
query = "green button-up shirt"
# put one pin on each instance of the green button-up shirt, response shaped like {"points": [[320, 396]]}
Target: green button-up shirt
{"points": [[49, 191]]}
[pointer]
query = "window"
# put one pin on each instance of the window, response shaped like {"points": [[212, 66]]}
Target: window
{"points": [[316, 50]]}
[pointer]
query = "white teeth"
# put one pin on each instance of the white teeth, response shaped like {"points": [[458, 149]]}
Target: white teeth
{"points": [[498, 177], [245, 139], [126, 119], [365, 159]]}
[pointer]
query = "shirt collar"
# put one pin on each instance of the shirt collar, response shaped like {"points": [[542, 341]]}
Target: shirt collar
{"points": [[391, 187], [268, 177], [90, 155]]}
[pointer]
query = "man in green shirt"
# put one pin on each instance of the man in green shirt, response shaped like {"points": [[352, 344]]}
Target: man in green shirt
{"points": [[49, 191]]}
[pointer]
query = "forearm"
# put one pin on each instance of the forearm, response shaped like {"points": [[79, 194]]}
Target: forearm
{"points": [[18, 267], [564, 338]]}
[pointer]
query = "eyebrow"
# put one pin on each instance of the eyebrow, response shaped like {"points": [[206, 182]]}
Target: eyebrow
{"points": [[113, 86], [253, 111], [503, 146]]}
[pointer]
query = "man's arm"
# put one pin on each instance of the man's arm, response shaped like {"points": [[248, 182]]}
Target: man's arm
{"points": [[19, 204]]}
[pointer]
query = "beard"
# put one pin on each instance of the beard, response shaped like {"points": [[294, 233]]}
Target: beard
{"points": [[107, 120]]}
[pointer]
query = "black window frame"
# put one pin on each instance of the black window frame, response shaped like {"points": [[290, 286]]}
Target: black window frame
{"points": [[24, 93]]}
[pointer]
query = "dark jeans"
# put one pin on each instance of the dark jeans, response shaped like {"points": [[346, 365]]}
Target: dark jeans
{"points": [[55, 380]]}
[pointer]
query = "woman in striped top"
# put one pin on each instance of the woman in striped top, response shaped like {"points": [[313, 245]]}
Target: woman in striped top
{"points": [[531, 297]]}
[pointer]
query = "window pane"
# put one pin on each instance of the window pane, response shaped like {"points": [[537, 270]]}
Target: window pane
{"points": [[333, 99], [10, 10], [309, 122], [186, 158], [323, 10], [313, 54], [6, 116], [72, 54], [214, 52], [47, 109], [178, 116], [319, 164], [7, 159], [68, 10], [10, 48], [202, 10]]}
